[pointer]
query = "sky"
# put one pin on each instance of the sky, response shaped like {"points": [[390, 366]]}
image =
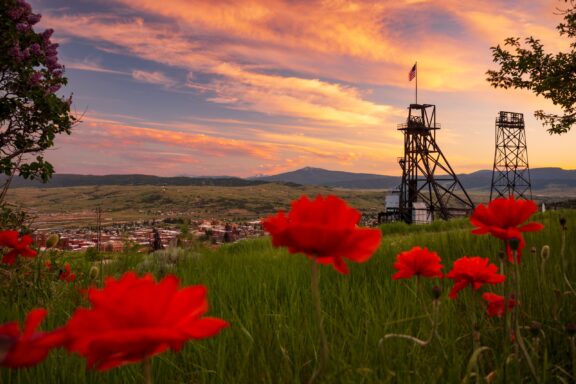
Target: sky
{"points": [[251, 87]]}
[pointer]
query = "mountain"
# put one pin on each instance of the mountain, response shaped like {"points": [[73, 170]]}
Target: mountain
{"points": [[541, 178], [319, 176], [70, 180]]}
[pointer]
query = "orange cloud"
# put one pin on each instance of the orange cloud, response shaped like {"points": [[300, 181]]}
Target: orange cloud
{"points": [[121, 142], [236, 86], [129, 135], [153, 77], [343, 27], [297, 97], [90, 65], [355, 41], [283, 34]]}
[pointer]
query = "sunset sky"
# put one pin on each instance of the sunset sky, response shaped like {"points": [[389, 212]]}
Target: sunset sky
{"points": [[235, 87]]}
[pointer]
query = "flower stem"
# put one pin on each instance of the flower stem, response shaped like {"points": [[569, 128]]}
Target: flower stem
{"points": [[573, 353], [433, 332], [147, 370], [507, 316], [517, 333], [475, 363], [318, 317]]}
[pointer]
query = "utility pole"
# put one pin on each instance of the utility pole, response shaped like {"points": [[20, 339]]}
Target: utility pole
{"points": [[98, 227]]}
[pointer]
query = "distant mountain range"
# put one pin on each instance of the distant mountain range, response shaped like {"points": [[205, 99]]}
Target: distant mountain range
{"points": [[71, 180], [542, 178]]}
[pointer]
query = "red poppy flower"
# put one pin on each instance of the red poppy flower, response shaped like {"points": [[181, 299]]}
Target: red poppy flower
{"points": [[29, 347], [417, 261], [67, 274], [503, 219], [475, 271], [19, 246], [324, 229], [133, 318], [496, 304]]}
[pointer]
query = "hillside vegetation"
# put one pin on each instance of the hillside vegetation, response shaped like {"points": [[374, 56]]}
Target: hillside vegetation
{"points": [[194, 202]]}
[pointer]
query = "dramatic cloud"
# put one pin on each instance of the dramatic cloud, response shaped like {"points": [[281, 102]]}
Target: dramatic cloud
{"points": [[234, 85], [278, 84], [138, 136]]}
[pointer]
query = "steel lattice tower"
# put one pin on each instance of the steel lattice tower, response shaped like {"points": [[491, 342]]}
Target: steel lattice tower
{"points": [[510, 174], [427, 177]]}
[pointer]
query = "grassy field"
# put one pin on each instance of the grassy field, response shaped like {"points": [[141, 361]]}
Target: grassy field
{"points": [[76, 205], [265, 295]]}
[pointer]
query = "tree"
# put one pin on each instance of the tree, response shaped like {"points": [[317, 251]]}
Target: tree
{"points": [[31, 114], [528, 66], [156, 243]]}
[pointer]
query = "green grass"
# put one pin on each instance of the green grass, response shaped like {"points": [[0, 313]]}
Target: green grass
{"points": [[265, 295]]}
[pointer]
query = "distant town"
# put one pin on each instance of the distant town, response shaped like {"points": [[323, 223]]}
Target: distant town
{"points": [[140, 235]]}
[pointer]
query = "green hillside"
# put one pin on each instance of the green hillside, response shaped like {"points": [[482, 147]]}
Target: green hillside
{"points": [[146, 202], [265, 295]]}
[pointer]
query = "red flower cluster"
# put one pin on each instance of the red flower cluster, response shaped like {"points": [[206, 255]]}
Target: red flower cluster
{"points": [[20, 246], [417, 262], [474, 271], [133, 318], [28, 348], [503, 218], [495, 304], [324, 229], [67, 275]]}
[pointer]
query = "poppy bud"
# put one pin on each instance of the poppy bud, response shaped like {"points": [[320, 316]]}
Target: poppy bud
{"points": [[514, 243], [436, 292], [563, 222], [52, 241], [545, 252], [93, 273], [571, 329], [533, 251], [501, 255]]}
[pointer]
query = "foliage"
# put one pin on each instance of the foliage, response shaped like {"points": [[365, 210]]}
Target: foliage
{"points": [[530, 67], [92, 254], [12, 217], [31, 114]]}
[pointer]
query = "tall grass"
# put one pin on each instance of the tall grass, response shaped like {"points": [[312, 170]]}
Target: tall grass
{"points": [[265, 295]]}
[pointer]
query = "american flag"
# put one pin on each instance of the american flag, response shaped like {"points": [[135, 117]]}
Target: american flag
{"points": [[412, 73]]}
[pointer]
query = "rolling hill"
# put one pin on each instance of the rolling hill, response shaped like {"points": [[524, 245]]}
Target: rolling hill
{"points": [[542, 178], [71, 180]]}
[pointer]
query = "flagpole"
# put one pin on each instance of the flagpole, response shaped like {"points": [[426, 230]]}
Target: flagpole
{"points": [[416, 65]]}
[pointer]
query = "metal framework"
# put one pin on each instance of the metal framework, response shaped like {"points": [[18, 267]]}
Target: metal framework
{"points": [[428, 180], [510, 174]]}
